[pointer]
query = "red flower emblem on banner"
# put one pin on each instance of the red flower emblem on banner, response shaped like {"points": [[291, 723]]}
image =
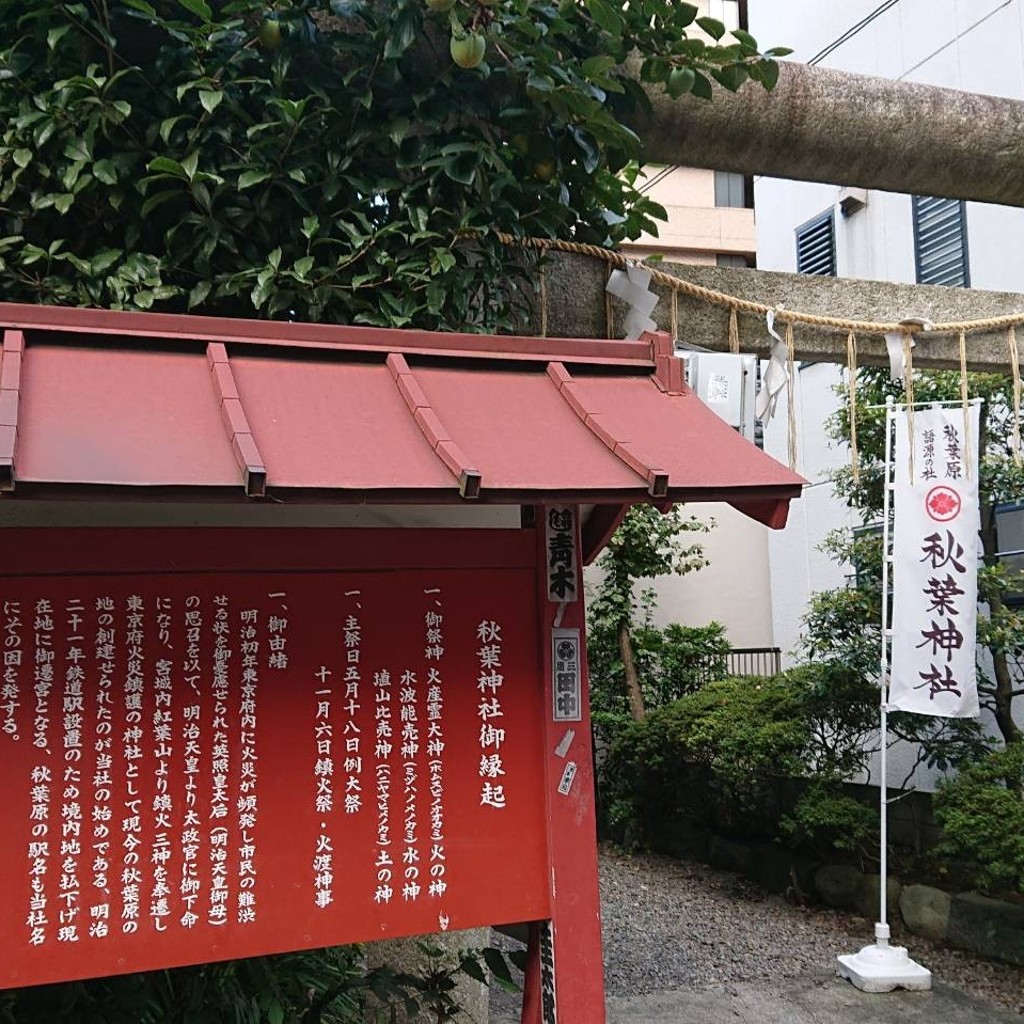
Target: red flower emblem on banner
{"points": [[943, 503]]}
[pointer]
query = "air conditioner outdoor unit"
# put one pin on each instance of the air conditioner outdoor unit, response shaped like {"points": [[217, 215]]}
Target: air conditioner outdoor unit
{"points": [[727, 384]]}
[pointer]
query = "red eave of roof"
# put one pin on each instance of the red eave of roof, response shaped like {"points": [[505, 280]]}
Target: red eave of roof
{"points": [[97, 401]]}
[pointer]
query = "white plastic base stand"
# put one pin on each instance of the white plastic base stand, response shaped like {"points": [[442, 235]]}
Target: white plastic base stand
{"points": [[882, 968]]}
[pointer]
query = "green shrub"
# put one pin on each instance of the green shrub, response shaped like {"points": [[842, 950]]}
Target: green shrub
{"points": [[743, 755], [718, 754], [324, 985], [825, 818], [321, 986], [671, 662], [981, 812]]}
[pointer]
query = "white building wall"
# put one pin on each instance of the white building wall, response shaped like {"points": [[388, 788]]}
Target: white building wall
{"points": [[735, 589], [974, 45], [798, 567]]}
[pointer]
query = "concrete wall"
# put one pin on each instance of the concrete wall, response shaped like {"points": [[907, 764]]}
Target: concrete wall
{"points": [[798, 567], [734, 590], [696, 230]]}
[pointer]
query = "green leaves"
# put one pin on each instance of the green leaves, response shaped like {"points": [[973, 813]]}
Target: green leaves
{"points": [[404, 30], [200, 8], [165, 165], [376, 177], [607, 17], [249, 178], [712, 26], [460, 162], [210, 99]]}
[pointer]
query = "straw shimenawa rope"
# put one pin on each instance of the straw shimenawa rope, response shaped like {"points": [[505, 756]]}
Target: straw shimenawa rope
{"points": [[543, 302], [734, 326], [908, 388], [697, 291], [736, 305], [1011, 338], [965, 401]]}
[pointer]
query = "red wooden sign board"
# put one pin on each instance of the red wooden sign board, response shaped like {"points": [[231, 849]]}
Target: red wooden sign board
{"points": [[199, 766]]}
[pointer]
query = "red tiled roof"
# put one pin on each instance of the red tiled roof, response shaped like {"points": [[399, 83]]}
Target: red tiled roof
{"points": [[101, 401]]}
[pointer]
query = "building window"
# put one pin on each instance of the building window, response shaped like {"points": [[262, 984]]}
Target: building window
{"points": [[728, 12], [730, 259], [733, 190], [940, 241], [816, 246]]}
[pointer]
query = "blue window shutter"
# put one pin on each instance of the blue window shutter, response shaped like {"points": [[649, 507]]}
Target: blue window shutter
{"points": [[816, 246], [940, 241]]}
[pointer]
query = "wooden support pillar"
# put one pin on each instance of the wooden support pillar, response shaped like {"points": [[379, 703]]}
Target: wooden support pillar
{"points": [[565, 977]]}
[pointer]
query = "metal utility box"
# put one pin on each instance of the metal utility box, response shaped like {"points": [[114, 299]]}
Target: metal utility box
{"points": [[727, 384]]}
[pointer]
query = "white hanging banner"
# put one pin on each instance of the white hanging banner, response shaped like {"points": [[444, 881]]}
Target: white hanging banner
{"points": [[935, 563]]}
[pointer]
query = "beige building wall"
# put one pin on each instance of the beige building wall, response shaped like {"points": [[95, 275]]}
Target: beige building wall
{"points": [[697, 231]]}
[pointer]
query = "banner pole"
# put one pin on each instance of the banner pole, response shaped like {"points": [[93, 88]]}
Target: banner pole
{"points": [[882, 967], [882, 926]]}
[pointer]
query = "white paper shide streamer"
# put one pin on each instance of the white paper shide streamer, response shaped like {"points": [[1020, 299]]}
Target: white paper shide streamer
{"points": [[935, 564], [633, 287], [775, 376]]}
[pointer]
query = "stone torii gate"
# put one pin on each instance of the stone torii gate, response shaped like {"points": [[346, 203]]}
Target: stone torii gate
{"points": [[894, 136]]}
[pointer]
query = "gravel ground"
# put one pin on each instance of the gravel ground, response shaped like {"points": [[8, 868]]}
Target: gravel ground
{"points": [[672, 924]]}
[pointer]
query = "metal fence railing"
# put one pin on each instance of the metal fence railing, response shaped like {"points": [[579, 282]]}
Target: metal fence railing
{"points": [[754, 661]]}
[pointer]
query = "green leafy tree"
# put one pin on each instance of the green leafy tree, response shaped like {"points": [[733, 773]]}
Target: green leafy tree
{"points": [[646, 545], [349, 161], [982, 817]]}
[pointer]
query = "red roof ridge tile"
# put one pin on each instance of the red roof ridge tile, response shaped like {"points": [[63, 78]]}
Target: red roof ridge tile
{"points": [[438, 437]]}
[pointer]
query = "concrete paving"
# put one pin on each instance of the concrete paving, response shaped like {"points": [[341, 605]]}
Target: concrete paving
{"points": [[815, 999]]}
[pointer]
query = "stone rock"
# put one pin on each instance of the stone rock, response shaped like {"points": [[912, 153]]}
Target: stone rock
{"points": [[771, 867], [805, 872], [925, 911], [868, 896], [730, 856], [679, 838], [990, 927], [838, 884]]}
